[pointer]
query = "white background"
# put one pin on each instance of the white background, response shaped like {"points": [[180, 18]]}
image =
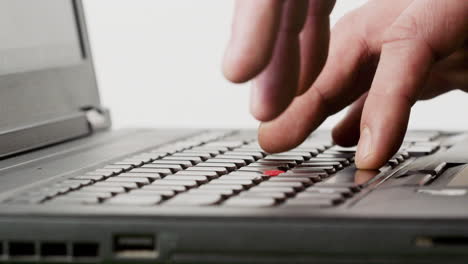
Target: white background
{"points": [[158, 65]]}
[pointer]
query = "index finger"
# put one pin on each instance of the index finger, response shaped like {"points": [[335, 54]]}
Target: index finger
{"points": [[254, 31]]}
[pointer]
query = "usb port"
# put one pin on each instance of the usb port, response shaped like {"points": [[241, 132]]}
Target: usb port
{"points": [[54, 250], [21, 249], [135, 246], [85, 250]]}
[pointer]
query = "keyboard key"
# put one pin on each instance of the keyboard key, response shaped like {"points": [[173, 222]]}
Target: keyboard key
{"points": [[228, 144], [279, 196], [158, 172], [228, 182], [208, 148], [327, 169], [222, 192], [126, 185], [186, 183], [305, 181], [151, 176], [336, 197], [166, 193], [246, 158], [183, 164], [337, 165], [284, 157], [304, 154], [193, 160], [188, 199], [138, 180], [344, 149], [310, 203], [218, 170], [246, 173], [199, 179], [202, 156], [278, 163], [298, 186], [238, 162], [214, 186], [237, 152], [173, 168], [288, 191], [205, 151], [209, 174], [175, 188], [135, 200], [254, 178], [227, 166], [257, 170], [103, 189], [264, 167], [351, 186], [316, 177], [347, 156], [343, 161], [246, 201]]}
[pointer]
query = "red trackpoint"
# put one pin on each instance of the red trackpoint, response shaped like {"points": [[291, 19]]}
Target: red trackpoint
{"points": [[273, 172]]}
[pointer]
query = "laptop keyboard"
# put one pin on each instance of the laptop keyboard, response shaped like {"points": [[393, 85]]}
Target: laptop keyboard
{"points": [[219, 170]]}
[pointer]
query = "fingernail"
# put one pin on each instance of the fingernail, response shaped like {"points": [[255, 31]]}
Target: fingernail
{"points": [[365, 145]]}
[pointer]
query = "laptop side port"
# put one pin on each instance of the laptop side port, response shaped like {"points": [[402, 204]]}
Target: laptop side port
{"points": [[85, 250], [441, 241], [54, 250], [135, 246], [22, 249]]}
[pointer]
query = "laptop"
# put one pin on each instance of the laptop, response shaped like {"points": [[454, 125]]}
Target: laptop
{"points": [[72, 190]]}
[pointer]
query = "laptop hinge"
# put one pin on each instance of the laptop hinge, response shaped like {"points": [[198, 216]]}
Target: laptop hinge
{"points": [[98, 118], [47, 132]]}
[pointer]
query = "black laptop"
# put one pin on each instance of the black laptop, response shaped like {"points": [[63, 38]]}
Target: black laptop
{"points": [[74, 191]]}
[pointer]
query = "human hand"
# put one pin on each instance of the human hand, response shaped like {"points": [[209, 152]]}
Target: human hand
{"points": [[382, 58]]}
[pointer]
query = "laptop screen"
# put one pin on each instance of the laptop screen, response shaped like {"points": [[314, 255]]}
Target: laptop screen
{"points": [[38, 35]]}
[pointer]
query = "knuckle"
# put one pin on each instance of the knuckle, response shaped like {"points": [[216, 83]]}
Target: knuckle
{"points": [[395, 95], [406, 34], [405, 28]]}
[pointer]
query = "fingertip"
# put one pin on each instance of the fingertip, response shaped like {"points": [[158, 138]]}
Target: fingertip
{"points": [[237, 69], [264, 104], [270, 141], [344, 134], [262, 112]]}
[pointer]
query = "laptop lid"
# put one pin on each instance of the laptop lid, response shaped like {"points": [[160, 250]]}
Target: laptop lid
{"points": [[47, 80]]}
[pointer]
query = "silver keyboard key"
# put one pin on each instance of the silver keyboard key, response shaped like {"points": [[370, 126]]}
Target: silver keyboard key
{"points": [[135, 200], [250, 201]]}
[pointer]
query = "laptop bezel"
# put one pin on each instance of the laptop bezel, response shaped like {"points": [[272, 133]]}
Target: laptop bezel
{"points": [[35, 97]]}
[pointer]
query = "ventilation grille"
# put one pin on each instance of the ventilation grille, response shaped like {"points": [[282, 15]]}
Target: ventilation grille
{"points": [[49, 251]]}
